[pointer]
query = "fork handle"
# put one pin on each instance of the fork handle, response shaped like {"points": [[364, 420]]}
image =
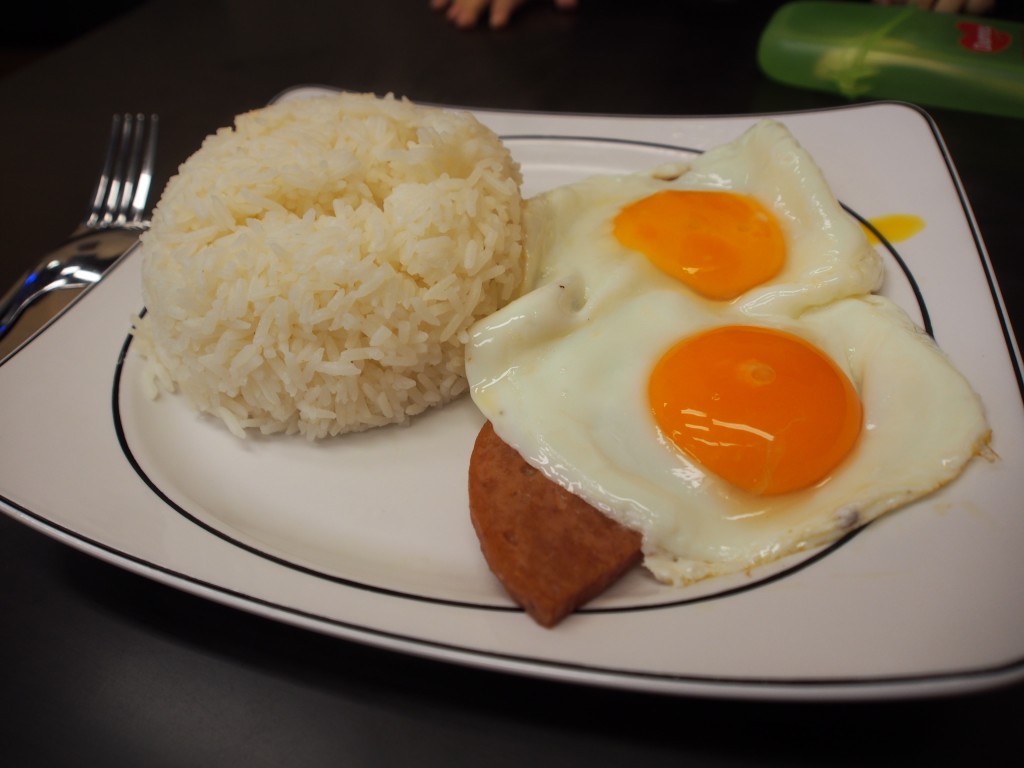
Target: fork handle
{"points": [[31, 287], [80, 262]]}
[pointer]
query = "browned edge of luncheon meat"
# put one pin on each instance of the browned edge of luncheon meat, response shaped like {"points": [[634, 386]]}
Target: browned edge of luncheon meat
{"points": [[551, 550]]}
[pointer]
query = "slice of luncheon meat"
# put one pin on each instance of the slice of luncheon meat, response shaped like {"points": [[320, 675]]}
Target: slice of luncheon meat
{"points": [[551, 550]]}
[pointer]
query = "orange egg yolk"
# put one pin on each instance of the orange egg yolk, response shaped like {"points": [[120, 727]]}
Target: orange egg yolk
{"points": [[763, 409], [895, 227], [720, 244]]}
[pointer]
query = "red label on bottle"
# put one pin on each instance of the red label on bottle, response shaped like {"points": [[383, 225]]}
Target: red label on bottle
{"points": [[982, 38]]}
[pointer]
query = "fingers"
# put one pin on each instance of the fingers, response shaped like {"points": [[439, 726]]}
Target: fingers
{"points": [[466, 13], [964, 6], [946, 6], [501, 11], [462, 13]]}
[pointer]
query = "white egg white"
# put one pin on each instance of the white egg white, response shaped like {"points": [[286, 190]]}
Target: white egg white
{"points": [[562, 372]]}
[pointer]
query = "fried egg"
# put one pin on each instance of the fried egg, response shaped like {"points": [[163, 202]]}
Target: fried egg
{"points": [[698, 354], [765, 232]]}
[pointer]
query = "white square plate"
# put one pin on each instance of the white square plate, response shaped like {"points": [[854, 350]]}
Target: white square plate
{"points": [[368, 538]]}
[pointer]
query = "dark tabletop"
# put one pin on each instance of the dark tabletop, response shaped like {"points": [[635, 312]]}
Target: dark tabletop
{"points": [[106, 668]]}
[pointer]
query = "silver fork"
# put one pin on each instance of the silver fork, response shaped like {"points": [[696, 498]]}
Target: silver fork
{"points": [[113, 222]]}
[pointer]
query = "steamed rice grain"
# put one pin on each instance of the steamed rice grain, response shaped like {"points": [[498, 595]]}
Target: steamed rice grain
{"points": [[315, 268]]}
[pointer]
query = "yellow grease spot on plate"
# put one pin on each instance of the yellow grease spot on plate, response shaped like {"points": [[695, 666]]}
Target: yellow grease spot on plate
{"points": [[894, 227]]}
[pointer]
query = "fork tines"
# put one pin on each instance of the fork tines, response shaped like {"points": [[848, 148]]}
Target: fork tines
{"points": [[123, 186]]}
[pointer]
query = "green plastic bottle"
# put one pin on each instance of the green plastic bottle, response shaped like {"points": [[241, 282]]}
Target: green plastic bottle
{"points": [[898, 52]]}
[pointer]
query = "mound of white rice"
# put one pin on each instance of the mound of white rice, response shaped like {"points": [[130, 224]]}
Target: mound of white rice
{"points": [[315, 269]]}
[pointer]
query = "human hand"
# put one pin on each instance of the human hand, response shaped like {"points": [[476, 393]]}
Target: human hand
{"points": [[946, 6], [466, 13]]}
